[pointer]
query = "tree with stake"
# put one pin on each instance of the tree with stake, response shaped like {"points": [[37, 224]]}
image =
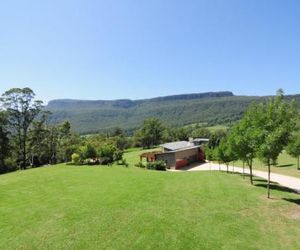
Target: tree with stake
{"points": [[224, 153], [280, 120], [247, 136]]}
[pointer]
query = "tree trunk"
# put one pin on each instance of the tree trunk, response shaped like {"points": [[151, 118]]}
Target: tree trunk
{"points": [[227, 167], [269, 172], [298, 162], [233, 167], [251, 176], [24, 150], [243, 170]]}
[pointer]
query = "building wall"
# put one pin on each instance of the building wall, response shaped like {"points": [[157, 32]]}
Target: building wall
{"points": [[169, 158], [189, 154]]}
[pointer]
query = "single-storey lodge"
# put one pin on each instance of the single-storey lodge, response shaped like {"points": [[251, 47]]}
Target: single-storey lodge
{"points": [[179, 154]]}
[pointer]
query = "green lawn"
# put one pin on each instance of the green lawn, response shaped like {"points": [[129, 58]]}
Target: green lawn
{"points": [[287, 165], [69, 207]]}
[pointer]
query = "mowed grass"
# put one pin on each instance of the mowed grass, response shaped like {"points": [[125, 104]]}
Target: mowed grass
{"points": [[69, 207], [287, 165]]}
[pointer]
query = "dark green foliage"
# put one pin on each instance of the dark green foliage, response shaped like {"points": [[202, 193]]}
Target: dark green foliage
{"points": [[216, 137], [156, 165], [4, 143], [123, 162], [140, 164], [107, 153], [293, 149], [224, 152], [151, 133], [94, 116], [89, 152], [118, 155], [22, 109]]}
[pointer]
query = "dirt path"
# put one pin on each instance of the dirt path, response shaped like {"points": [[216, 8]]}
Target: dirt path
{"points": [[283, 180]]}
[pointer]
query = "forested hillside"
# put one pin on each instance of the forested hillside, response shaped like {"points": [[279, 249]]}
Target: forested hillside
{"points": [[95, 116]]}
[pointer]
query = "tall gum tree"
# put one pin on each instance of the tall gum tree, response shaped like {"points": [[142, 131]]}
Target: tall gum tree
{"points": [[22, 109]]}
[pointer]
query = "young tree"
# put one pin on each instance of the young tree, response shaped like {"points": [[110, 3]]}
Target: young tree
{"points": [[280, 120], [22, 109], [225, 153], [247, 136], [293, 148]]}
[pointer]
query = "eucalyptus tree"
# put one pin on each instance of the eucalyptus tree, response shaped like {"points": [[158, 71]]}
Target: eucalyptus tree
{"points": [[37, 144], [22, 109], [151, 133], [4, 141]]}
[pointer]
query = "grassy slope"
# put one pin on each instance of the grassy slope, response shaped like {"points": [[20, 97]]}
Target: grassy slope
{"points": [[114, 207], [287, 165]]}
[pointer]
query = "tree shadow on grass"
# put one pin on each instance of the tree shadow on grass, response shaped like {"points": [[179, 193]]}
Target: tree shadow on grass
{"points": [[263, 181], [296, 201], [276, 187], [284, 165]]}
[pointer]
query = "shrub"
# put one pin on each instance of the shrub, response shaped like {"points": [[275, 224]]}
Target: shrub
{"points": [[156, 165], [10, 165], [89, 152], [123, 162], [75, 158], [140, 165], [107, 153], [118, 155], [105, 161]]}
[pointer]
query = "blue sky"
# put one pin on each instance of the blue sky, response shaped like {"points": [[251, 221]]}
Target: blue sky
{"points": [[139, 49]]}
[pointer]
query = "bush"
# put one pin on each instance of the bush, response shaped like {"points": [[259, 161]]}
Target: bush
{"points": [[140, 165], [123, 162], [10, 165], [156, 165], [107, 154], [75, 158], [105, 161], [118, 155], [89, 152]]}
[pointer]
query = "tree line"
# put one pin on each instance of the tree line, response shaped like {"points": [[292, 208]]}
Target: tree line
{"points": [[29, 138], [264, 131]]}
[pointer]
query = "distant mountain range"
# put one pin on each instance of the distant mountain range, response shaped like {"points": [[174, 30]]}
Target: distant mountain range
{"points": [[176, 110]]}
